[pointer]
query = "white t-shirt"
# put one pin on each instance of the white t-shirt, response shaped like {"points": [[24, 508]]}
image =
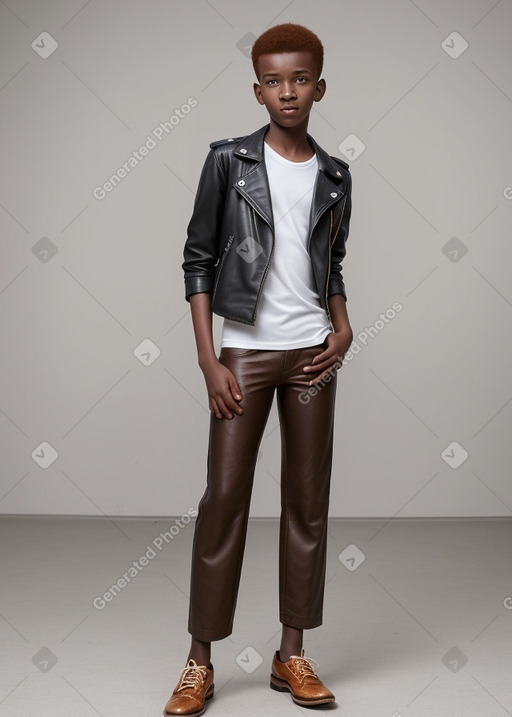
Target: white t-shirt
{"points": [[289, 313]]}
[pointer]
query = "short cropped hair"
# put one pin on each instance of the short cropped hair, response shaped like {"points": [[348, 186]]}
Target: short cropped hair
{"points": [[288, 37]]}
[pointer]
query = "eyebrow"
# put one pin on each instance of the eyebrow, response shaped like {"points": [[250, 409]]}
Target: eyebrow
{"points": [[295, 72]]}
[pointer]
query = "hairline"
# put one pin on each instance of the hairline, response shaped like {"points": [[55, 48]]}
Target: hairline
{"points": [[294, 72], [290, 52]]}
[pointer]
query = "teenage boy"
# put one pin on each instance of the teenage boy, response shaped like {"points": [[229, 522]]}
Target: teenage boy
{"points": [[264, 250]]}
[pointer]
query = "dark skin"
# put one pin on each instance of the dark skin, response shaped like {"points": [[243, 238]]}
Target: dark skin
{"points": [[286, 80]]}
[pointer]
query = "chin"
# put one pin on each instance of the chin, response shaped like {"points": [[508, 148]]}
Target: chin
{"points": [[286, 121]]}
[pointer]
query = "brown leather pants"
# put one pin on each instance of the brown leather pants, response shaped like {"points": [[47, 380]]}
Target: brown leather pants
{"points": [[306, 423]]}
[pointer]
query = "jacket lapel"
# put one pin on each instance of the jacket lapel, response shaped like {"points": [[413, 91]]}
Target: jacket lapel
{"points": [[325, 194], [254, 186], [252, 183]]}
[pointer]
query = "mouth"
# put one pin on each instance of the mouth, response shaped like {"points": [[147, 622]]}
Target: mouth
{"points": [[289, 110]]}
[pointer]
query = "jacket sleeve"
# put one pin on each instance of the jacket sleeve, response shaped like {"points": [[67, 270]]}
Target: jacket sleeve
{"points": [[201, 251], [338, 250]]}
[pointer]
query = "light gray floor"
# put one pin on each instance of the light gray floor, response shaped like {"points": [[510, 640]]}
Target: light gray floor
{"points": [[397, 630]]}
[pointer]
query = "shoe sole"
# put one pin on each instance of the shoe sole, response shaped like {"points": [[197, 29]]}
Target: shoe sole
{"points": [[208, 696], [282, 686]]}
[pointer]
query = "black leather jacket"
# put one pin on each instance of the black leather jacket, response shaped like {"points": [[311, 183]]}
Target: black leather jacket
{"points": [[230, 237]]}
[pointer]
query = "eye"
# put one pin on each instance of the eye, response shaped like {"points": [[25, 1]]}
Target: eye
{"points": [[301, 79], [270, 81]]}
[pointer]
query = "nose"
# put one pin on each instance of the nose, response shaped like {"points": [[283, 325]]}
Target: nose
{"points": [[287, 91]]}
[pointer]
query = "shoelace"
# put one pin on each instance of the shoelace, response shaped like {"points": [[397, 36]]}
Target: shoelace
{"points": [[191, 676], [305, 665]]}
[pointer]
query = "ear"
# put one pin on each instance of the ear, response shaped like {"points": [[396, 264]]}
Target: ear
{"points": [[258, 94], [320, 90]]}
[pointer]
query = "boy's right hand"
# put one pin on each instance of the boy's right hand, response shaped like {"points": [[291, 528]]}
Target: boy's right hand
{"points": [[223, 390]]}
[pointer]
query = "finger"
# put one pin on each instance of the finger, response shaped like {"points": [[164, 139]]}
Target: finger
{"points": [[227, 402], [224, 410], [235, 389], [230, 402], [321, 356], [214, 408], [320, 365], [330, 372]]}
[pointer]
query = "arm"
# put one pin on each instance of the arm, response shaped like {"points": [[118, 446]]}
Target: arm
{"points": [[200, 255], [338, 249], [223, 389], [202, 247], [338, 342]]}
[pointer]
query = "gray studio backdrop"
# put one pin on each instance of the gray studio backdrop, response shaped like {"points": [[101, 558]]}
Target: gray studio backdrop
{"points": [[107, 110]]}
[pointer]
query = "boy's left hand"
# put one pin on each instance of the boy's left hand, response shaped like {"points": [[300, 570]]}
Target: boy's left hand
{"points": [[338, 344]]}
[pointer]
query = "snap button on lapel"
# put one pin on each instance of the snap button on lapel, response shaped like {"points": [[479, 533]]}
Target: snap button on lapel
{"points": [[334, 194], [241, 183], [338, 174], [243, 151]]}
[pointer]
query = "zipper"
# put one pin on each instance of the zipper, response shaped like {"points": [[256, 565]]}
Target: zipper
{"points": [[312, 228], [255, 210], [328, 274], [266, 268], [219, 269], [329, 257]]}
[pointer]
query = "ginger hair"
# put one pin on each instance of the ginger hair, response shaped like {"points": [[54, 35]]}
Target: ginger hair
{"points": [[288, 37]]}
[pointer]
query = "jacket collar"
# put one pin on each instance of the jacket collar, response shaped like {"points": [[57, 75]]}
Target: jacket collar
{"points": [[251, 147]]}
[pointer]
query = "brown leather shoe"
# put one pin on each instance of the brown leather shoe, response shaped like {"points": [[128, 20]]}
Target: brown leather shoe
{"points": [[194, 687], [298, 677]]}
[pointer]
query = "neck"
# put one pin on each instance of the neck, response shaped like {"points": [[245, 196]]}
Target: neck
{"points": [[291, 142]]}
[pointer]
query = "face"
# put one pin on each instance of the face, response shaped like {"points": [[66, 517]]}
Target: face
{"points": [[288, 86]]}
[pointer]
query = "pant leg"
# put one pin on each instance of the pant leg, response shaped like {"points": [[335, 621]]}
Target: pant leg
{"points": [[307, 422], [221, 523]]}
